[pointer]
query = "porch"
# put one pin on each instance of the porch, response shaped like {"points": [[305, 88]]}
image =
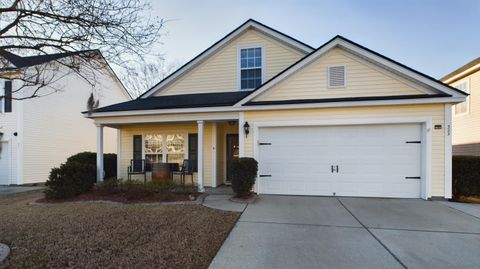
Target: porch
{"points": [[208, 144]]}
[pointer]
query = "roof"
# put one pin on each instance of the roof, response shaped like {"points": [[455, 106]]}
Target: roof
{"points": [[178, 101], [251, 23], [462, 69], [342, 40], [20, 62], [345, 99]]}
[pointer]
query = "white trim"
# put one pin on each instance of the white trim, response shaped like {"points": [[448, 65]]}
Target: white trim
{"points": [[427, 137], [344, 76], [214, 154], [100, 169], [448, 151], [18, 140], [241, 135], [222, 116], [362, 52], [119, 152], [249, 24], [467, 99], [239, 64], [200, 148]]}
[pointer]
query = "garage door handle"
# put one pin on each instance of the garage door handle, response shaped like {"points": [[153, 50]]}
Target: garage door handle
{"points": [[334, 168], [264, 144], [412, 177], [265, 175], [413, 142]]}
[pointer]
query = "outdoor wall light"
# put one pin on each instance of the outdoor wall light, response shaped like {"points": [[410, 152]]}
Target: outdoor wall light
{"points": [[246, 128]]}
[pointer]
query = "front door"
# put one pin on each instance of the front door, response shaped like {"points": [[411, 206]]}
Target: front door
{"points": [[232, 152]]}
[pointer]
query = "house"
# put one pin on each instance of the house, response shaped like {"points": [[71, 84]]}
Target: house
{"points": [[339, 120], [466, 115], [38, 134]]}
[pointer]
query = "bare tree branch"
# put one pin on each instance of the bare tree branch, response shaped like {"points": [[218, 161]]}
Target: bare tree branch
{"points": [[122, 30]]}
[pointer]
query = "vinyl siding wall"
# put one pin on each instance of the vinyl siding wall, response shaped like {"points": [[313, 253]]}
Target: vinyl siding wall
{"points": [[362, 80], [54, 128], [466, 127], [436, 112], [219, 73]]}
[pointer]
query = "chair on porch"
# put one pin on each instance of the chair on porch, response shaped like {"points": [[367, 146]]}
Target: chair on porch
{"points": [[185, 169], [138, 167]]}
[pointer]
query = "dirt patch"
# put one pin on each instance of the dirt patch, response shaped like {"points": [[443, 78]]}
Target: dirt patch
{"points": [[128, 198], [110, 236]]}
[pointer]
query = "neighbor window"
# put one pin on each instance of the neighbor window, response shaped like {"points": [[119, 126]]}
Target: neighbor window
{"points": [[250, 68], [463, 108], [173, 145], [7, 96]]}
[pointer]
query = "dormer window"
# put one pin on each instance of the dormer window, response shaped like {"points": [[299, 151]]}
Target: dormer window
{"points": [[251, 64]]}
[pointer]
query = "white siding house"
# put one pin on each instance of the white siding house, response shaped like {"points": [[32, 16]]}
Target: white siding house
{"points": [[40, 133]]}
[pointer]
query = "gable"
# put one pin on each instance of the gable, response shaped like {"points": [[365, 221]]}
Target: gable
{"points": [[219, 72], [363, 79]]}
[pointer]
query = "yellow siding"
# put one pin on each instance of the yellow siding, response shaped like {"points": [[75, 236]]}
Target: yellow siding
{"points": [[436, 112], [218, 73], [362, 79], [466, 127], [126, 141]]}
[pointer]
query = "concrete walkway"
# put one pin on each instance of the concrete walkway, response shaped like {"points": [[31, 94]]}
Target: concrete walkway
{"points": [[329, 232], [17, 189]]}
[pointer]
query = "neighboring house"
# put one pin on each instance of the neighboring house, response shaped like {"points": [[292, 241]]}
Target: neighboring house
{"points": [[337, 120], [466, 115], [40, 133]]}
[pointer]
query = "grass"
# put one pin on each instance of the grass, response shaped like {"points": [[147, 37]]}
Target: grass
{"points": [[110, 236]]}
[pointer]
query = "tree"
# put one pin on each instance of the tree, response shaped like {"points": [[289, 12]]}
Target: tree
{"points": [[143, 76], [120, 29]]}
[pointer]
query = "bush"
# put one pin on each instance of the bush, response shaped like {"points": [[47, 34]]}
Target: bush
{"points": [[244, 172], [466, 176], [70, 180], [109, 161]]}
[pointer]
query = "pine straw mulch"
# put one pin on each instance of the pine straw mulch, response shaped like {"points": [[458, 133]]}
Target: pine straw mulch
{"points": [[109, 235]]}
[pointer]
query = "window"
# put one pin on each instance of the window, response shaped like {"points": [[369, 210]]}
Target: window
{"points": [[165, 148], [175, 148], [7, 104], [250, 68], [336, 76], [464, 107], [154, 148]]}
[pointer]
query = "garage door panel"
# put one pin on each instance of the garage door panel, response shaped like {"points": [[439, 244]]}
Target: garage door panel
{"points": [[373, 160]]}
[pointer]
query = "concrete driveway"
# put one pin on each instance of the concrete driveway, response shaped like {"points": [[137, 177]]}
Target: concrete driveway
{"points": [[327, 232]]}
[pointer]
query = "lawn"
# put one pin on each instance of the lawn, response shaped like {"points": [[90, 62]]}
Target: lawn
{"points": [[110, 236]]}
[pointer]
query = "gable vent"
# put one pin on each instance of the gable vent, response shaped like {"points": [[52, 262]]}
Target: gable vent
{"points": [[336, 76]]}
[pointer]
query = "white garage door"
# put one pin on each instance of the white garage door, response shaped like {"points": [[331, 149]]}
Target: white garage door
{"points": [[360, 160], [4, 164]]}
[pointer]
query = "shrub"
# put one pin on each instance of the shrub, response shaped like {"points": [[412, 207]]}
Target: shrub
{"points": [[109, 161], [69, 180], [244, 172], [466, 176]]}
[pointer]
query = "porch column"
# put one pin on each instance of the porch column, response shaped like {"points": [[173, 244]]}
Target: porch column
{"points": [[200, 156], [99, 153]]}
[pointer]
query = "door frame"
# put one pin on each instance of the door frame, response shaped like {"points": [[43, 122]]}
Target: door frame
{"points": [[8, 148], [225, 167], [426, 125]]}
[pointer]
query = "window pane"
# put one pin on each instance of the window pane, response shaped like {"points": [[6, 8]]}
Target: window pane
{"points": [[154, 158], [175, 143], [258, 52], [258, 62], [251, 53], [153, 143], [175, 158], [251, 62], [243, 53], [243, 63]]}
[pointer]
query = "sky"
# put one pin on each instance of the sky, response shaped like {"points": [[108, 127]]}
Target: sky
{"points": [[432, 36]]}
